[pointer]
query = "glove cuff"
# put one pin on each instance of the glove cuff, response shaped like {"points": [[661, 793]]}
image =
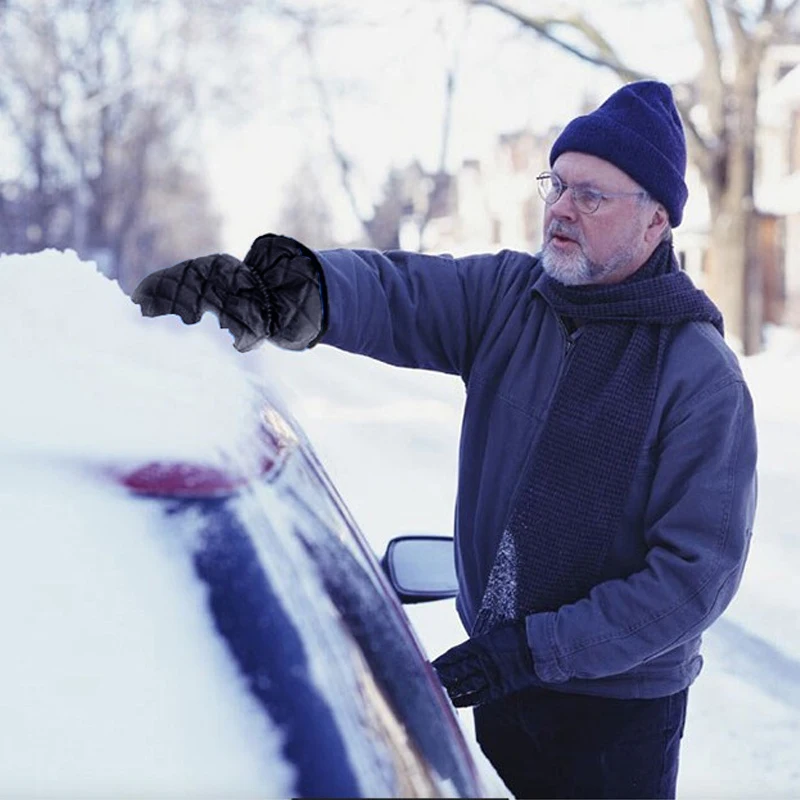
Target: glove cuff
{"points": [[291, 279]]}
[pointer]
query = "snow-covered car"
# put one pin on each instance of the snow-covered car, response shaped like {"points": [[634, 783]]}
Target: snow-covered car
{"points": [[187, 607]]}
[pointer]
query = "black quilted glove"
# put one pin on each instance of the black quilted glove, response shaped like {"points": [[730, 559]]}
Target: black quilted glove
{"points": [[276, 293], [487, 667]]}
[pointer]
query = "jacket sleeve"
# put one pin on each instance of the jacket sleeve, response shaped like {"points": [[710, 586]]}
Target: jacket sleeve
{"points": [[699, 523], [409, 309]]}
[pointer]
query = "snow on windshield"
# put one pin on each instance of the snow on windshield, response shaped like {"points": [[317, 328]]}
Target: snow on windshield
{"points": [[112, 681]]}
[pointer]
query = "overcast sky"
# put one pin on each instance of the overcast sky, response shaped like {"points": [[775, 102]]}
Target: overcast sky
{"points": [[387, 80]]}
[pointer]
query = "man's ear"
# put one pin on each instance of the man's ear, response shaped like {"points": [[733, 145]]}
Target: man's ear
{"points": [[659, 220]]}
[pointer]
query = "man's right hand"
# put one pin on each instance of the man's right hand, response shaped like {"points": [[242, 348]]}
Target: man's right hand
{"points": [[276, 293]]}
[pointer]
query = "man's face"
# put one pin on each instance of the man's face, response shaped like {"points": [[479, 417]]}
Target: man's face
{"points": [[608, 245]]}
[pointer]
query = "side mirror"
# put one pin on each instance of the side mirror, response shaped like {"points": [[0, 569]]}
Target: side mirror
{"points": [[421, 568]]}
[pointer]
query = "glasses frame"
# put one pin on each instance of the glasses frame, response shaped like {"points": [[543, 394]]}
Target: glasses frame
{"points": [[559, 186]]}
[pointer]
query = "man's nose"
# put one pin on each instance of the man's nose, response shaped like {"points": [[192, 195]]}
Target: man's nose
{"points": [[564, 207]]}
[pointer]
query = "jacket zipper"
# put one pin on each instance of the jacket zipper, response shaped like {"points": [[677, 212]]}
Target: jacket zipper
{"points": [[569, 342]]}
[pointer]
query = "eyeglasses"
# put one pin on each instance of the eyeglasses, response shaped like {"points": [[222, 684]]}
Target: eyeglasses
{"points": [[586, 199]]}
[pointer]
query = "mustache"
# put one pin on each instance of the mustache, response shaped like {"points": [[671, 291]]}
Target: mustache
{"points": [[559, 228]]}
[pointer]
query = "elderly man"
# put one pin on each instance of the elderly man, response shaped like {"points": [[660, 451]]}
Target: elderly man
{"points": [[607, 463]]}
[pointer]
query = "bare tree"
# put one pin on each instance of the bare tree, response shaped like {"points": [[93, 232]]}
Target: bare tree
{"points": [[719, 111], [99, 98], [452, 41], [310, 26], [315, 20], [305, 214]]}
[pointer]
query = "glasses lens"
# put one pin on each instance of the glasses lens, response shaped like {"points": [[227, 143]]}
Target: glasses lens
{"points": [[549, 187], [586, 200]]}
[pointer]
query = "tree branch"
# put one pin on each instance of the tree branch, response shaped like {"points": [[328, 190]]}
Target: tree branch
{"points": [[696, 143], [712, 84], [782, 15], [605, 55], [451, 78], [733, 15], [342, 160]]}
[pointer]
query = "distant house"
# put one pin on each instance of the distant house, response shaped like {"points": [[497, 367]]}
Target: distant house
{"points": [[485, 205], [493, 203], [777, 191]]}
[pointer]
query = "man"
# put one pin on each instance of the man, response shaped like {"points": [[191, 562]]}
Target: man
{"points": [[607, 464]]}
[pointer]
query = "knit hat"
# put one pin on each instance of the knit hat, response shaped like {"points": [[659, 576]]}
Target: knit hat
{"points": [[639, 131]]}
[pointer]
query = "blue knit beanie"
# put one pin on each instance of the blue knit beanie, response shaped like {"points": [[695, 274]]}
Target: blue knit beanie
{"points": [[639, 131]]}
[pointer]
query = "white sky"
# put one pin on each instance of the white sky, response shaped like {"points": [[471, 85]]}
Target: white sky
{"points": [[385, 71], [389, 111], [102, 625]]}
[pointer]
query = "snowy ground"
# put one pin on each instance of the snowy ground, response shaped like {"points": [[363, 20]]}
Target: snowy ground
{"points": [[389, 439]]}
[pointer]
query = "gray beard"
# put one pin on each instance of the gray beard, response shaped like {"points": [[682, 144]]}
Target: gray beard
{"points": [[577, 270]]}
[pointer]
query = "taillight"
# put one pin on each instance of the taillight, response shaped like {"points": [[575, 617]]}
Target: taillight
{"points": [[176, 479], [274, 438]]}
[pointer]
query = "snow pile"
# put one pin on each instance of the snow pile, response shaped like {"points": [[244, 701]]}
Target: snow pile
{"points": [[86, 375], [113, 682]]}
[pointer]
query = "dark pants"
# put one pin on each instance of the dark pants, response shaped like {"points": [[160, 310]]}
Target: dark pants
{"points": [[549, 744]]}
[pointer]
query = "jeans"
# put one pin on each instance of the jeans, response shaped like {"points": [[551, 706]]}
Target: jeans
{"points": [[555, 745]]}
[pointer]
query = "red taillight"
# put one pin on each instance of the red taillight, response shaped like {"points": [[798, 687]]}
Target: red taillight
{"points": [[182, 480], [274, 438]]}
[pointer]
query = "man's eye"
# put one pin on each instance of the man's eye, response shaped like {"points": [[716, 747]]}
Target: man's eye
{"points": [[588, 196]]}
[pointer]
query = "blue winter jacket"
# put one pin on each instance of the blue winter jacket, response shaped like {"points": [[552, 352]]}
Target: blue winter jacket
{"points": [[678, 557]]}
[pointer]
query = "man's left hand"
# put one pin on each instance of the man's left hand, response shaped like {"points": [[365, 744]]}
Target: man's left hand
{"points": [[487, 667]]}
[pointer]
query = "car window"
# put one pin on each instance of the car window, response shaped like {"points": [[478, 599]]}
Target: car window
{"points": [[323, 645]]}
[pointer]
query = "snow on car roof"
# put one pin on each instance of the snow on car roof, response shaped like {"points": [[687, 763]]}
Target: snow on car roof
{"points": [[85, 375]]}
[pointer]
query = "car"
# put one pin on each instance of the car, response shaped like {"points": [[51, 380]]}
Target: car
{"points": [[188, 606]]}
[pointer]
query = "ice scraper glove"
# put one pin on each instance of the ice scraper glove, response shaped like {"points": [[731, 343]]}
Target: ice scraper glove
{"points": [[487, 667], [277, 293]]}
